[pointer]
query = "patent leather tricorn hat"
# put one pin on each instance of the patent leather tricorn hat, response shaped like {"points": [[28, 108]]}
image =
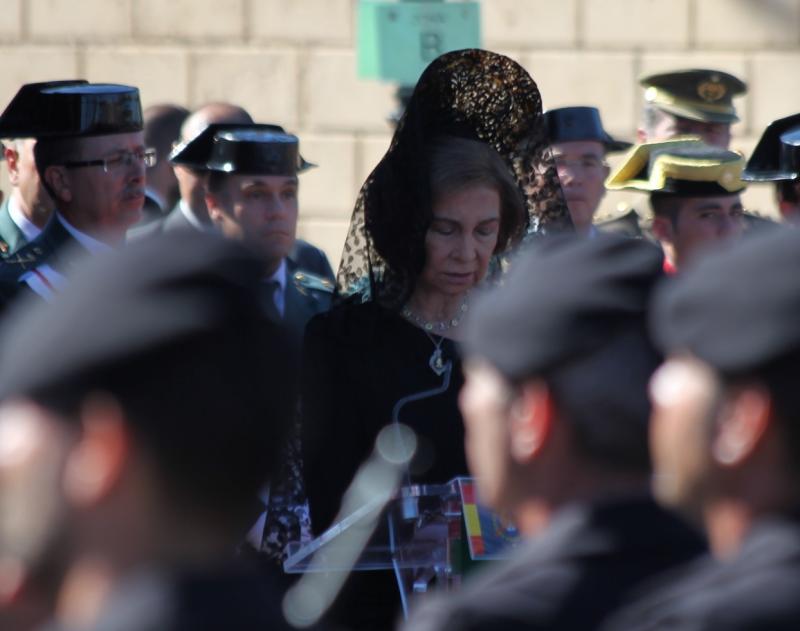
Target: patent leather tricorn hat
{"points": [[776, 156], [71, 109], [262, 149], [580, 123]]}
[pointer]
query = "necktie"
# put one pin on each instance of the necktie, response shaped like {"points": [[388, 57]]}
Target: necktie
{"points": [[268, 300]]}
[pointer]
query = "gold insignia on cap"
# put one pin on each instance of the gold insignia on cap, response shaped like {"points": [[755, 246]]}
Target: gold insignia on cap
{"points": [[711, 90]]}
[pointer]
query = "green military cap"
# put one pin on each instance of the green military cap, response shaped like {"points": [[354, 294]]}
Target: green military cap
{"points": [[683, 166], [698, 94]]}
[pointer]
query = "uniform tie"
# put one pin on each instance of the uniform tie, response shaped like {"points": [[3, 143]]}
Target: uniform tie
{"points": [[268, 300]]}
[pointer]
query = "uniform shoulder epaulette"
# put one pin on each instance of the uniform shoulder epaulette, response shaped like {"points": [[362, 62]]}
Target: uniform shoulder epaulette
{"points": [[307, 280]]}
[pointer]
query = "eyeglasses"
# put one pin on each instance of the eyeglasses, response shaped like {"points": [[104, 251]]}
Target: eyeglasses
{"points": [[118, 160]]}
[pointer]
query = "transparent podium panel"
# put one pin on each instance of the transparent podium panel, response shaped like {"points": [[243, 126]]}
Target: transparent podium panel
{"points": [[425, 534], [413, 530]]}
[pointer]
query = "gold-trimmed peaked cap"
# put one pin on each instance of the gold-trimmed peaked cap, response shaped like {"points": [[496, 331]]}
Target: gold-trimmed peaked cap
{"points": [[699, 94], [683, 166]]}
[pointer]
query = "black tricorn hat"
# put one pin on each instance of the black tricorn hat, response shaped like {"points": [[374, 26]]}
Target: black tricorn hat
{"points": [[71, 108], [570, 124], [772, 160], [257, 148], [16, 116]]}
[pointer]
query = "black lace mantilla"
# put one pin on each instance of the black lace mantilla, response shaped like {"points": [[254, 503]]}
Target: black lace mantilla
{"points": [[473, 94]]}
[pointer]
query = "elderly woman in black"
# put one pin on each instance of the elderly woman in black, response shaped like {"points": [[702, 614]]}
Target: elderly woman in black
{"points": [[468, 175]]}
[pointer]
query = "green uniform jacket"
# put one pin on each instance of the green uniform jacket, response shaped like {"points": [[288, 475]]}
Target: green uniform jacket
{"points": [[54, 246], [11, 237]]}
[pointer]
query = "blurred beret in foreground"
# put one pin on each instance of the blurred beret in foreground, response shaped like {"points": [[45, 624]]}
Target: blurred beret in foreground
{"points": [[738, 308], [563, 300]]}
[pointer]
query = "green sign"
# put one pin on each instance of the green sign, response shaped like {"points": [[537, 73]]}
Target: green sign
{"points": [[397, 40]]}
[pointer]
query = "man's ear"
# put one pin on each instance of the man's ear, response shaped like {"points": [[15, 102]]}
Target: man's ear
{"points": [[532, 415], [12, 160], [663, 230], [98, 460], [214, 210], [57, 178], [741, 424], [641, 135]]}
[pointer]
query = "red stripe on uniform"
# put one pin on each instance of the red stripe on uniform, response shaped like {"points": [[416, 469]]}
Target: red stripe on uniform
{"points": [[44, 280]]}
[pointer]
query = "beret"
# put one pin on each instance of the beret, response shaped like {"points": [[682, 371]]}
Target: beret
{"points": [[564, 299], [738, 308], [128, 303]]}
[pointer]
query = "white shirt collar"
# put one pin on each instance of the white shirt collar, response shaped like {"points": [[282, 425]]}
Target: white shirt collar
{"points": [[192, 218], [90, 243], [28, 228]]}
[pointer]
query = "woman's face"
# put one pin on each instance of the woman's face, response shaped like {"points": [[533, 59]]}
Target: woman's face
{"points": [[461, 239]]}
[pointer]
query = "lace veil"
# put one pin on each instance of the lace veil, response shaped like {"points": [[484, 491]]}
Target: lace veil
{"points": [[473, 94]]}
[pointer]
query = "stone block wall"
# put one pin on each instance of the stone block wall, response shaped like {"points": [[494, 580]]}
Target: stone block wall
{"points": [[293, 62]]}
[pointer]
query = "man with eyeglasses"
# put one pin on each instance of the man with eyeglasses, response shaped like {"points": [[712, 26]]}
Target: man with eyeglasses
{"points": [[694, 195], [579, 145], [91, 158]]}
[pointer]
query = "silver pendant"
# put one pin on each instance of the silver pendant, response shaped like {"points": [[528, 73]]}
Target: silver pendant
{"points": [[436, 362]]}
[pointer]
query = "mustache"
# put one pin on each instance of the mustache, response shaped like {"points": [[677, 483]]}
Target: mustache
{"points": [[133, 191]]}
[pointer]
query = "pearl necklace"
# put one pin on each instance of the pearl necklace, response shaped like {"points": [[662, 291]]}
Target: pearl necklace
{"points": [[436, 326]]}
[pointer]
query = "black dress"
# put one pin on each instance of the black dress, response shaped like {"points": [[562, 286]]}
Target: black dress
{"points": [[359, 360]]}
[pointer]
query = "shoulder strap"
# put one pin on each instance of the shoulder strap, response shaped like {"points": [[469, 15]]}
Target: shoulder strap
{"points": [[307, 280]]}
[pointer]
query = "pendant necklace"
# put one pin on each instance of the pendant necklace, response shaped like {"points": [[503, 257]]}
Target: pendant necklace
{"points": [[436, 361]]}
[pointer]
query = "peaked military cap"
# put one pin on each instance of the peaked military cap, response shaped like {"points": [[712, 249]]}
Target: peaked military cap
{"points": [[570, 124], [737, 308], [263, 149], [773, 159], [698, 94], [71, 108], [683, 166]]}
